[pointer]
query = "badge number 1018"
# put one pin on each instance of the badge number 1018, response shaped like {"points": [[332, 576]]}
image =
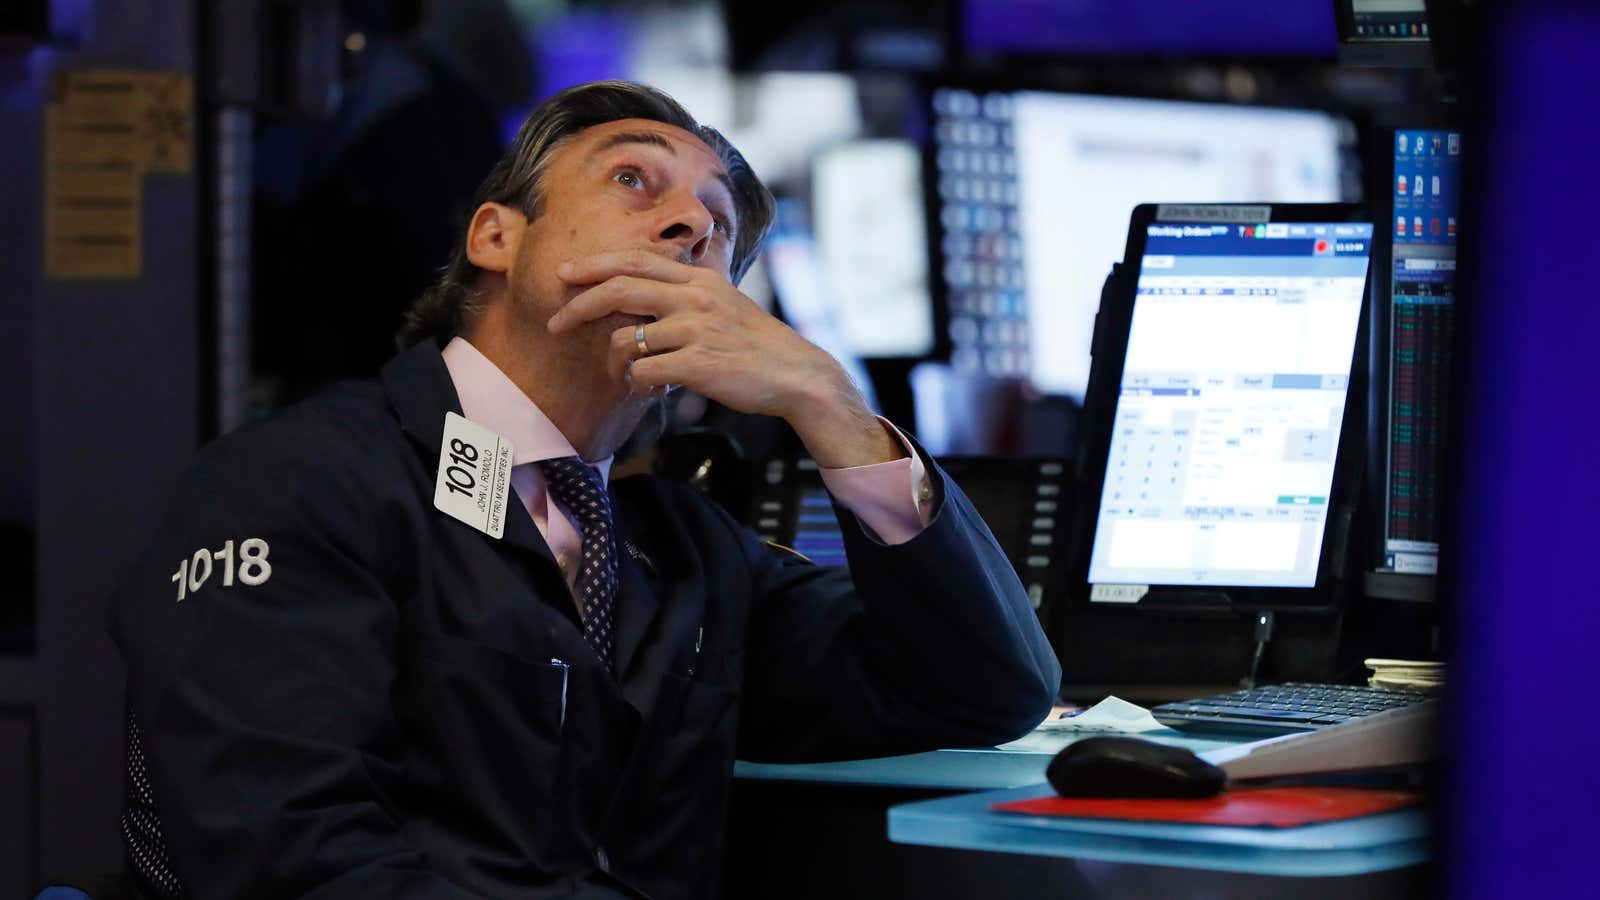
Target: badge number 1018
{"points": [[252, 569]]}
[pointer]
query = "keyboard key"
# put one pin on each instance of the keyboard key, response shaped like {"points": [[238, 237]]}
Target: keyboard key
{"points": [[1291, 705], [1264, 714]]}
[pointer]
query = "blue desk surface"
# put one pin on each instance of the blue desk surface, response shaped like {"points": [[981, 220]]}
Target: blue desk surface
{"points": [[1011, 765], [1351, 847], [1016, 771]]}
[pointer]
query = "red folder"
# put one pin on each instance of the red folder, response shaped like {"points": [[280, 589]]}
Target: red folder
{"points": [[1273, 807]]}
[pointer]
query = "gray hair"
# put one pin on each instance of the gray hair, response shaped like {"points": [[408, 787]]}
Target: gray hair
{"points": [[444, 309]]}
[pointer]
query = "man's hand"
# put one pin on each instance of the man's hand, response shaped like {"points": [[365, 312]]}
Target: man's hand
{"points": [[716, 341]]}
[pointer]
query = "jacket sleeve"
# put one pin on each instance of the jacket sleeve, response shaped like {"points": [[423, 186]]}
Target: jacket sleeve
{"points": [[262, 682], [920, 645]]}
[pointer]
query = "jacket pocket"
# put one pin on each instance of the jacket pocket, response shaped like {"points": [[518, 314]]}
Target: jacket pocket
{"points": [[697, 754], [487, 728], [509, 694]]}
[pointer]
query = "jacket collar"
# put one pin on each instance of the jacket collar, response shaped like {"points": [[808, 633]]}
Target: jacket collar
{"points": [[420, 391]]}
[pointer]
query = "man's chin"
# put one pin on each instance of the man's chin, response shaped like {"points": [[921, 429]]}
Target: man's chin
{"points": [[624, 421]]}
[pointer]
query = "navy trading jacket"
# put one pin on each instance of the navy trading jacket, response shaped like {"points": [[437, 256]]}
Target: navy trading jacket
{"points": [[342, 691]]}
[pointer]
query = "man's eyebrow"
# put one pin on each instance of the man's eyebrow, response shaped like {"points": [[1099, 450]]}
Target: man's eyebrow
{"points": [[634, 137], [655, 140]]}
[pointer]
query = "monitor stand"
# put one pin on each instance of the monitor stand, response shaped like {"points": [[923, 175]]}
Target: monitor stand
{"points": [[1200, 603], [1381, 584]]}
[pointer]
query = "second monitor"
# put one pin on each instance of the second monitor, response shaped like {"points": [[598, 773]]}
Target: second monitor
{"points": [[1033, 187], [1217, 448]]}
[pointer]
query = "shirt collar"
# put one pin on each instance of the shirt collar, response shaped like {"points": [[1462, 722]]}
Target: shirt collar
{"points": [[491, 399]]}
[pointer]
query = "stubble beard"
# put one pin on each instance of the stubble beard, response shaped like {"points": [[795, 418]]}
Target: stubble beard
{"points": [[575, 365]]}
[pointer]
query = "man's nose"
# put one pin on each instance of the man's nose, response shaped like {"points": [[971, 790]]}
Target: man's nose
{"points": [[689, 225]]}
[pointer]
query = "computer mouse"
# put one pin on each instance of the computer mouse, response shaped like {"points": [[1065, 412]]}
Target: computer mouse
{"points": [[1112, 766]]}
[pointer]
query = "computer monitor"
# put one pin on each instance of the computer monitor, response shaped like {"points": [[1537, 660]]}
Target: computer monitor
{"points": [[1030, 182], [872, 239], [805, 291], [1413, 335], [1384, 33], [1218, 469], [1023, 501], [1217, 29], [837, 35]]}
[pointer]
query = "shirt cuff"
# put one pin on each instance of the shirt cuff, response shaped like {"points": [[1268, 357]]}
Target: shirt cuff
{"points": [[893, 499]]}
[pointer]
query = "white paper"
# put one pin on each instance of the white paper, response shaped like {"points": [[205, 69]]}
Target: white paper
{"points": [[1112, 714]]}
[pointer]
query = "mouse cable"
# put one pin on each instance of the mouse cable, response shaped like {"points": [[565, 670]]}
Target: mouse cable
{"points": [[1264, 620]]}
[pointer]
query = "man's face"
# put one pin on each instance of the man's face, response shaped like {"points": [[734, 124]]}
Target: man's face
{"points": [[629, 184]]}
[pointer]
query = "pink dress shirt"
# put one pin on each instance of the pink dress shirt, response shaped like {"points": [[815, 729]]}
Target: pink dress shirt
{"points": [[893, 499]]}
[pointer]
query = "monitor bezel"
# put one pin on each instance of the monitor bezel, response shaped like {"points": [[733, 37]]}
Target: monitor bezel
{"points": [[1114, 322]]}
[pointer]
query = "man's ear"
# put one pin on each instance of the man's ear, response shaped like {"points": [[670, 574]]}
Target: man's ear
{"points": [[493, 236]]}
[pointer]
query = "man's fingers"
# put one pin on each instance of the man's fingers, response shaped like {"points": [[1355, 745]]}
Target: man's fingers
{"points": [[644, 390], [653, 374], [639, 296], [661, 337], [642, 263]]}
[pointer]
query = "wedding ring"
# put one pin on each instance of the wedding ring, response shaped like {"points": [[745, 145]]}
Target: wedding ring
{"points": [[638, 340]]}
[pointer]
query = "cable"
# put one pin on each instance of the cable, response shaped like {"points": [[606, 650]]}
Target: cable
{"points": [[1264, 621]]}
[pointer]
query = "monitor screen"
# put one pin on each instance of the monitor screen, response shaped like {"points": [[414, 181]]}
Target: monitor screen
{"points": [[1388, 20], [1216, 28], [1384, 33], [816, 528], [1021, 500], [1005, 508], [1422, 279], [867, 211], [1033, 187], [1228, 417], [805, 292]]}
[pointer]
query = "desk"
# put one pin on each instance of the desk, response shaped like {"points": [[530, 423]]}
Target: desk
{"points": [[1018, 763], [1353, 847], [819, 830]]}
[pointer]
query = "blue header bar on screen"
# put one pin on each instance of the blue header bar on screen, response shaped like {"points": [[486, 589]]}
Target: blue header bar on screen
{"points": [[1347, 266], [1273, 239]]}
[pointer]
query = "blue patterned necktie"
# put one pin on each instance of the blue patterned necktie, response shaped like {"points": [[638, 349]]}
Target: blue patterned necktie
{"points": [[580, 489]]}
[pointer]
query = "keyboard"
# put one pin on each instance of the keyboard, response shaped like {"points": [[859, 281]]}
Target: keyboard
{"points": [[1281, 708]]}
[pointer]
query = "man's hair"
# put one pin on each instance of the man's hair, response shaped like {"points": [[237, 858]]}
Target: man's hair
{"points": [[444, 309]]}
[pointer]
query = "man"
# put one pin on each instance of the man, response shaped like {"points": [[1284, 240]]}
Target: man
{"points": [[361, 665]]}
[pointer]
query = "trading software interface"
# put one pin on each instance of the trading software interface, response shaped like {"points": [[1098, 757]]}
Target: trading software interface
{"points": [[1427, 175], [1028, 181], [1390, 20], [1231, 402]]}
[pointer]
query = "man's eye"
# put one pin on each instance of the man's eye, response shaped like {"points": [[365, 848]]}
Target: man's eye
{"points": [[723, 225], [629, 178]]}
